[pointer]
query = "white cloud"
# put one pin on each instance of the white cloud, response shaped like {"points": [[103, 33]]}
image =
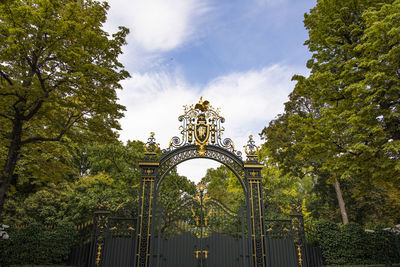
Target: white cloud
{"points": [[156, 26], [248, 101]]}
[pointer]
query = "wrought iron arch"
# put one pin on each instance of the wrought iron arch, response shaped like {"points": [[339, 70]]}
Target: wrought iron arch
{"points": [[201, 132], [177, 156]]}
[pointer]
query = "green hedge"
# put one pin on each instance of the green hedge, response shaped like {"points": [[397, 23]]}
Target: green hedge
{"points": [[352, 245], [36, 244]]}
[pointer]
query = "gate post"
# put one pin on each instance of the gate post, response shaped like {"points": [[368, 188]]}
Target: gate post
{"points": [[149, 172], [101, 225], [299, 236], [253, 176]]}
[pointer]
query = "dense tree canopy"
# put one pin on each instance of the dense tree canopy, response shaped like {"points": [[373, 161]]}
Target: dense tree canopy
{"points": [[59, 73], [342, 122]]}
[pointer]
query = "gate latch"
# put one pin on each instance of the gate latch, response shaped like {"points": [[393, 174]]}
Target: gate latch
{"points": [[197, 252]]}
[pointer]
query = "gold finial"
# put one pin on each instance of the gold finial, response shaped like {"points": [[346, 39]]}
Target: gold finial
{"points": [[251, 149], [201, 186], [151, 147]]}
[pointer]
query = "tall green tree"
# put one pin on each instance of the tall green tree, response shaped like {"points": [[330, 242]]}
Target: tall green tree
{"points": [[341, 123], [59, 74]]}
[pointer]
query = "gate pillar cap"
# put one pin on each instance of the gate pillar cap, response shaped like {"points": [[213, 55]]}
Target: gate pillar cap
{"points": [[148, 163], [253, 165]]}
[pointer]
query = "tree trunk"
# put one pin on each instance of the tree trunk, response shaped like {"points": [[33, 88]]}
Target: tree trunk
{"points": [[341, 202], [7, 173]]}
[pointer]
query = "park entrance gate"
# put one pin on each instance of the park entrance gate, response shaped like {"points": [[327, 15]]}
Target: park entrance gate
{"points": [[201, 231]]}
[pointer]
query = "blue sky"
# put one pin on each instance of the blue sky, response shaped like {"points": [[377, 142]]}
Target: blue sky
{"points": [[239, 55]]}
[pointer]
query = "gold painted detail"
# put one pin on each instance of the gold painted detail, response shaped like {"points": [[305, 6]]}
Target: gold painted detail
{"points": [[146, 163], [201, 252], [251, 149], [151, 147], [149, 171], [201, 126], [80, 226], [253, 165], [99, 246], [300, 255], [253, 173]]}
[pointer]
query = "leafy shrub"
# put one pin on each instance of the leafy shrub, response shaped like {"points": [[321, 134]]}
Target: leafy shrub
{"points": [[352, 245], [329, 243], [37, 245]]}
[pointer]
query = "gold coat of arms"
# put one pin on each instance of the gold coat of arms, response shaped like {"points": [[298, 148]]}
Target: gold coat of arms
{"points": [[201, 131]]}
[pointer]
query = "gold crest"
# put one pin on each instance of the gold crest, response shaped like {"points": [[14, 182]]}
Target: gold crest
{"points": [[201, 133]]}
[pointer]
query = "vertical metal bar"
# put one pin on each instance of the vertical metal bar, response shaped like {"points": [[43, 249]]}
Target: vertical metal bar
{"points": [[201, 228], [160, 210], [243, 239]]}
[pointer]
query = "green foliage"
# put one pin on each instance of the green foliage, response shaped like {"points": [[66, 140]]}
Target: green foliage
{"points": [[82, 201], [352, 245], [58, 80], [222, 184], [173, 188], [36, 244], [281, 190], [107, 171], [47, 206], [342, 122]]}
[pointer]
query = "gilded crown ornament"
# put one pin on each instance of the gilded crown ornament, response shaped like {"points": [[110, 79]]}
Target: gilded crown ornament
{"points": [[201, 126]]}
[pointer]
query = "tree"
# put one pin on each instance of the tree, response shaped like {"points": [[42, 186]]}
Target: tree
{"points": [[59, 74], [223, 185], [341, 123]]}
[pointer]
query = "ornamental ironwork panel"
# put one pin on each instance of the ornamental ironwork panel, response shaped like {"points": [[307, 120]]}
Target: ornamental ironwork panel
{"points": [[212, 152], [201, 126]]}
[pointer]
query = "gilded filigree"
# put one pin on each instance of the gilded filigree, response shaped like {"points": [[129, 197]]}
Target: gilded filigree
{"points": [[201, 126], [251, 149], [151, 147]]}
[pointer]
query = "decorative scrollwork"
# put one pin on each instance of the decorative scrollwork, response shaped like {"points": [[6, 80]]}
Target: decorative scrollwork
{"points": [[201, 126], [251, 149], [191, 151], [151, 147]]}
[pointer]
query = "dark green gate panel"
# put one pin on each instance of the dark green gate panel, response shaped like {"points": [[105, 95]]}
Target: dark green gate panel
{"points": [[200, 232], [177, 251], [225, 251], [281, 253], [119, 251], [313, 256]]}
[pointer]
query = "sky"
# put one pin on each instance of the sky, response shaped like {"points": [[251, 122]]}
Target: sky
{"points": [[239, 55]]}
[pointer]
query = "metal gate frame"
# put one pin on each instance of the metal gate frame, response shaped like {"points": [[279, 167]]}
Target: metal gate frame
{"points": [[201, 138], [218, 225]]}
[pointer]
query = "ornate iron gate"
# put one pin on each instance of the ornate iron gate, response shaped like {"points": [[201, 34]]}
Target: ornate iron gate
{"points": [[201, 232], [201, 138]]}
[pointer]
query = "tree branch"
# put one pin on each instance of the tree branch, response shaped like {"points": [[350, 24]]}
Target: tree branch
{"points": [[42, 139], [67, 126], [6, 77], [33, 111], [5, 116], [8, 94]]}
